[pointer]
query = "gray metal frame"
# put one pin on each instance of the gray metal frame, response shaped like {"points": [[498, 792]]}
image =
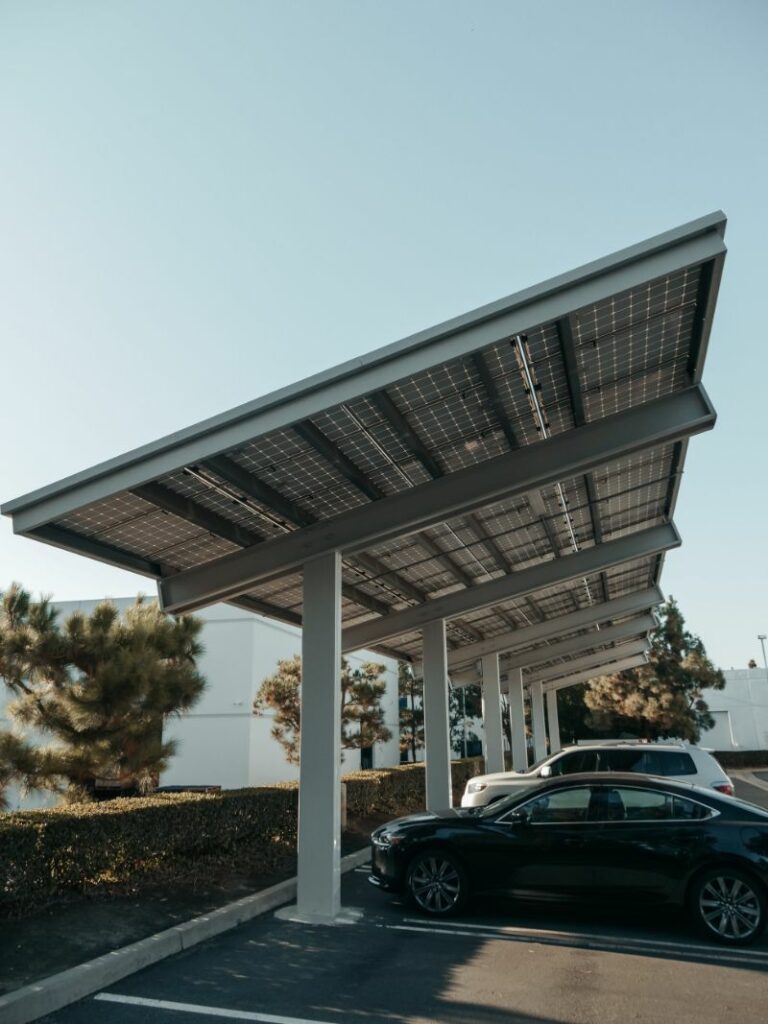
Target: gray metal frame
{"points": [[516, 584], [697, 242], [526, 469], [585, 618]]}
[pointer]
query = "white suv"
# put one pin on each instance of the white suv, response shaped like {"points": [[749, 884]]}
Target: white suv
{"points": [[670, 760]]}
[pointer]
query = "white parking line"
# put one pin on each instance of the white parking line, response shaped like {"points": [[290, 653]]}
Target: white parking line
{"points": [[599, 942], [513, 930], [209, 1011]]}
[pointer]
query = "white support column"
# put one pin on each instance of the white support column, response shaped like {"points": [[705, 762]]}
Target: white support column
{"points": [[492, 727], [437, 743], [319, 873], [517, 721], [554, 724], [537, 722]]}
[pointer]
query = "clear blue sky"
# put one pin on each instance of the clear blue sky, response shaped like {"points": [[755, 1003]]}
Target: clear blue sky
{"points": [[204, 201]]}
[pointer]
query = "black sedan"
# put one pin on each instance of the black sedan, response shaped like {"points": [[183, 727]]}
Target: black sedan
{"points": [[589, 838]]}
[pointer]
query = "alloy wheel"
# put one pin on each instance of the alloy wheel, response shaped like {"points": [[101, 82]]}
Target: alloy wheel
{"points": [[435, 884], [730, 907]]}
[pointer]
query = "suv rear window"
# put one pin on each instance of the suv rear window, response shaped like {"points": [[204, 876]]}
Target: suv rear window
{"points": [[631, 760], [669, 762], [650, 762]]}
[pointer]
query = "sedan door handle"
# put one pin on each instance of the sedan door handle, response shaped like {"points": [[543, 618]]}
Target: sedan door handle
{"points": [[573, 842]]}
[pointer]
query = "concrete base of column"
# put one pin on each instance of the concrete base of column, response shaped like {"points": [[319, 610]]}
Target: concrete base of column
{"points": [[346, 915]]}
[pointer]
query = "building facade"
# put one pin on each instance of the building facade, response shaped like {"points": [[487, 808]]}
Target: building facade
{"points": [[220, 742], [740, 711]]}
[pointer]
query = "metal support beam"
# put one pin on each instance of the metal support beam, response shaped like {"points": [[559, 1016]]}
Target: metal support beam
{"points": [[406, 433], [583, 677], [517, 584], [193, 512], [598, 661], [314, 437], [551, 628], [516, 700], [319, 872], [685, 246], [252, 487], [537, 722], [437, 743], [659, 422], [595, 660], [638, 626], [443, 558], [492, 727], [553, 722]]}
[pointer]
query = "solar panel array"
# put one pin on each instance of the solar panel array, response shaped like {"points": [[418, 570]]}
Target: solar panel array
{"points": [[628, 350]]}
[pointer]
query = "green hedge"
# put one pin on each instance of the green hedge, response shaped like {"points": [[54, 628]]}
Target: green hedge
{"points": [[47, 854], [401, 789], [85, 847]]}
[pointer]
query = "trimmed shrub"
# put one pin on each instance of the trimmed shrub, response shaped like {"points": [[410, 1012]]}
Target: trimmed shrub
{"points": [[83, 847], [47, 854], [401, 789]]}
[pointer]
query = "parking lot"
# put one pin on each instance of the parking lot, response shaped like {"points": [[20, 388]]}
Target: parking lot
{"points": [[500, 962]]}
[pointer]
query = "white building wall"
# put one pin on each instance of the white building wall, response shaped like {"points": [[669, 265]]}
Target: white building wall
{"points": [[220, 742], [740, 711]]}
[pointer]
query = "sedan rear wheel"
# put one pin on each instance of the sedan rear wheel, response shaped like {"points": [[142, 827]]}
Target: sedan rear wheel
{"points": [[436, 883], [729, 906]]}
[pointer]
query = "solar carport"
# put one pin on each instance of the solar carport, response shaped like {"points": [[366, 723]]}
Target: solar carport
{"points": [[491, 498]]}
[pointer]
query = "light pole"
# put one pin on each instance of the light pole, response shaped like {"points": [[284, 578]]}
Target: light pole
{"points": [[762, 638]]}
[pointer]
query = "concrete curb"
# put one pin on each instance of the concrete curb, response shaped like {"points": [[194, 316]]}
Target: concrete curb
{"points": [[27, 1004]]}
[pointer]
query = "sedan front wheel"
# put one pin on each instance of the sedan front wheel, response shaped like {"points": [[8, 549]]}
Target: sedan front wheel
{"points": [[436, 883], [729, 906]]}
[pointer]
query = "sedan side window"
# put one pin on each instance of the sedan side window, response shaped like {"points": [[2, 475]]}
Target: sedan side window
{"points": [[619, 804], [646, 804], [562, 807]]}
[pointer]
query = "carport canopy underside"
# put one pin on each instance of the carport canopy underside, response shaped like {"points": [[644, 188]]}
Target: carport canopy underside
{"points": [[513, 472]]}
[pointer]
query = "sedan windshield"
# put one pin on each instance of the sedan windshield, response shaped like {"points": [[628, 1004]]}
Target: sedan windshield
{"points": [[500, 806]]}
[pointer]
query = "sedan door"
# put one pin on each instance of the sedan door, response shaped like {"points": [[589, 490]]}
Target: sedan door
{"points": [[548, 854], [648, 840]]}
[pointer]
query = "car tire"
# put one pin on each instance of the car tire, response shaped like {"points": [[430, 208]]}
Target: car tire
{"points": [[728, 905], [436, 883]]}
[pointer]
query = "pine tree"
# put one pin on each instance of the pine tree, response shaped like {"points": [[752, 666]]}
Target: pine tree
{"points": [[411, 699], [464, 702], [98, 688], [663, 698], [362, 716]]}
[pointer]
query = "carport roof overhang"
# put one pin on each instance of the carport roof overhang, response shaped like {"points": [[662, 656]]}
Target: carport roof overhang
{"points": [[502, 470]]}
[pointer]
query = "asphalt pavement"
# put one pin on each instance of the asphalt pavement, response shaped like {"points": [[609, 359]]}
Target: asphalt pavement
{"points": [[503, 962]]}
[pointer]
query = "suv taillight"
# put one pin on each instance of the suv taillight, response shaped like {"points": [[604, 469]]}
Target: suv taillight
{"points": [[724, 787]]}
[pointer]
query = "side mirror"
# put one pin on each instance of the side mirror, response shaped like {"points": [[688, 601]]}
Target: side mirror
{"points": [[545, 772], [518, 818]]}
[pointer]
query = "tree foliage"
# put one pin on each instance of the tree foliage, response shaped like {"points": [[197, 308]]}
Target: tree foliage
{"points": [[464, 704], [97, 688], [663, 698], [573, 715], [362, 716], [411, 700]]}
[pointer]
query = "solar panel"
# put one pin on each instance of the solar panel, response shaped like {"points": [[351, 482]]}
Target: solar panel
{"points": [[479, 399]]}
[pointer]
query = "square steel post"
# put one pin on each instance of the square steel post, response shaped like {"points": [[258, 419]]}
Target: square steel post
{"points": [[437, 741], [517, 721], [492, 726], [537, 722], [319, 872], [553, 722]]}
